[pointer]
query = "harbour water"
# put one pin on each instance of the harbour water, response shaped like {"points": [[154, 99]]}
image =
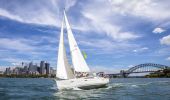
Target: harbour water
{"points": [[118, 89]]}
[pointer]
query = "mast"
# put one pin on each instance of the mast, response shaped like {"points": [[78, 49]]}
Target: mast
{"points": [[63, 68], [78, 60]]}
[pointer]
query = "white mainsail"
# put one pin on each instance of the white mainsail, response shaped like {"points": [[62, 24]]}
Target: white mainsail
{"points": [[63, 68], [78, 60]]}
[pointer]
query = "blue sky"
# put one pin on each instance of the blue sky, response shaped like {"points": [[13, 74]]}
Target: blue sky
{"points": [[115, 34]]}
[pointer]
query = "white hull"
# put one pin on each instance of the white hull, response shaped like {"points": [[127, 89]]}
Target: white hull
{"points": [[82, 83]]}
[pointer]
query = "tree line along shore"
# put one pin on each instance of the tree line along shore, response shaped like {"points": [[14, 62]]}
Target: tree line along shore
{"points": [[160, 74]]}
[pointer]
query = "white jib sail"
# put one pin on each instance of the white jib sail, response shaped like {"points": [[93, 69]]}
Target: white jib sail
{"points": [[63, 68], [78, 60]]}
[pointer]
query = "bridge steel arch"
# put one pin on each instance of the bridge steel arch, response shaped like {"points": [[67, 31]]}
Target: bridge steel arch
{"points": [[131, 70]]}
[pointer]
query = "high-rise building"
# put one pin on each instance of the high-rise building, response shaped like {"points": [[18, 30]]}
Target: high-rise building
{"points": [[16, 71], [47, 67], [53, 72], [25, 69], [1, 72], [7, 71], [32, 68], [42, 67], [38, 69]]}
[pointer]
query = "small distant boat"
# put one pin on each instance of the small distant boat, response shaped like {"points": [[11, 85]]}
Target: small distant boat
{"points": [[70, 78]]}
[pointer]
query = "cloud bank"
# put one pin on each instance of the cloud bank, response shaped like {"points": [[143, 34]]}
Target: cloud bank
{"points": [[165, 40]]}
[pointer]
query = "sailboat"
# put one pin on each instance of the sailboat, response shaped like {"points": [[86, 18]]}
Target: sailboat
{"points": [[68, 77]]}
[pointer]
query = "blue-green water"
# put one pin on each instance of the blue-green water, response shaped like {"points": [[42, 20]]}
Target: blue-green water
{"points": [[118, 89]]}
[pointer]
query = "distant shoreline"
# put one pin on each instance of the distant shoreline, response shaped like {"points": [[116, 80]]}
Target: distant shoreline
{"points": [[27, 76]]}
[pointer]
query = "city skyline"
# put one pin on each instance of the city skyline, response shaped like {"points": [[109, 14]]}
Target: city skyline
{"points": [[30, 69], [116, 36]]}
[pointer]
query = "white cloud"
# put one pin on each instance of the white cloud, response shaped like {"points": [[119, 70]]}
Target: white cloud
{"points": [[165, 40], [168, 58], [12, 50], [37, 12], [43, 17], [5, 13], [130, 66], [141, 49], [14, 61], [162, 51], [49, 13], [101, 19], [151, 9], [69, 4], [99, 16], [158, 30], [15, 44], [29, 45], [107, 46]]}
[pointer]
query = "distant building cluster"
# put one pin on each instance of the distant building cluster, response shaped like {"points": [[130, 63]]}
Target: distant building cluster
{"points": [[31, 69]]}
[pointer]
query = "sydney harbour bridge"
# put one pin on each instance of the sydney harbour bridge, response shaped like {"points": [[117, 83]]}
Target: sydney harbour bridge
{"points": [[141, 68]]}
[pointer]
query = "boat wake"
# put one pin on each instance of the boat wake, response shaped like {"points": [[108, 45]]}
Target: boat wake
{"points": [[134, 85], [77, 89], [115, 90]]}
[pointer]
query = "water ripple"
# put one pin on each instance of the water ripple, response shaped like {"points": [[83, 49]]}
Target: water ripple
{"points": [[118, 89]]}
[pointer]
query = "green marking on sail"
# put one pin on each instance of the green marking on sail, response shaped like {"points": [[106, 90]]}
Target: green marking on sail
{"points": [[84, 55]]}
